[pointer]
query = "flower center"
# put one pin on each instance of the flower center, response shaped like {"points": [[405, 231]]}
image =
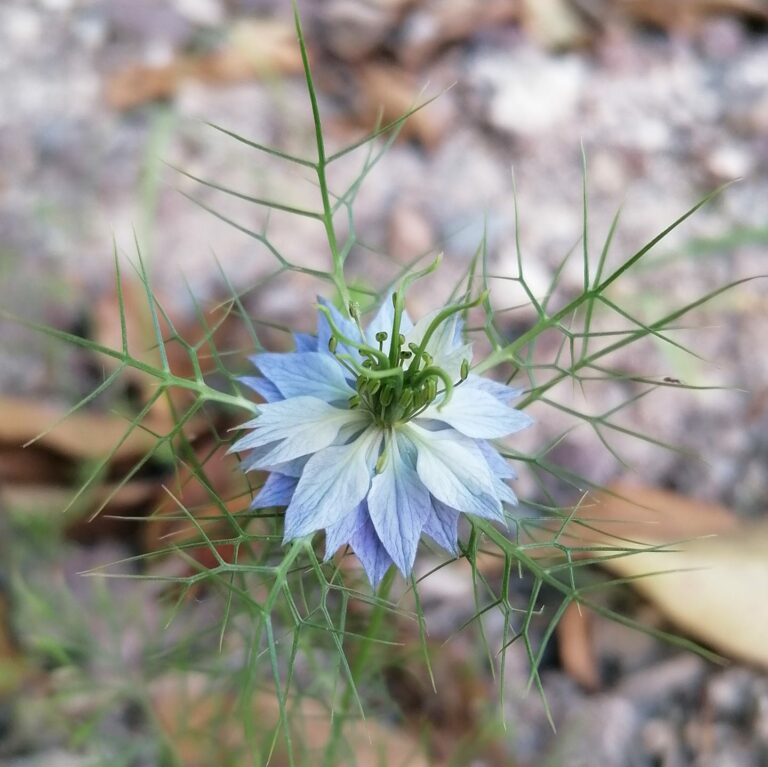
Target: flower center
{"points": [[395, 393], [397, 384]]}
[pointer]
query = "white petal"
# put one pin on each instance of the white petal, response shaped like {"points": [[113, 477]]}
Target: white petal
{"points": [[455, 472], [304, 424], [478, 414], [333, 482]]}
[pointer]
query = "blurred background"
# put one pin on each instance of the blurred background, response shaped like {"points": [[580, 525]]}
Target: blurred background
{"points": [[667, 99]]}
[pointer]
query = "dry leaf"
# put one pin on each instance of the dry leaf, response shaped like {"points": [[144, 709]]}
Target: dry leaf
{"points": [[444, 22], [203, 722], [554, 24], [387, 92], [255, 48], [717, 592], [81, 436], [574, 642], [683, 15], [185, 494]]}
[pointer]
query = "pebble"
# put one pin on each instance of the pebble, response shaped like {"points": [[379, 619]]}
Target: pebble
{"points": [[601, 731], [662, 744], [730, 695], [679, 678], [207, 13], [527, 92]]}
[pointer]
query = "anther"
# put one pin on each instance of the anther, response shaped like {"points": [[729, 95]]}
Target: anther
{"points": [[464, 369], [333, 342]]}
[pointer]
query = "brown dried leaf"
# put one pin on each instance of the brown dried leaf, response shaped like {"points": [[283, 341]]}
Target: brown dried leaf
{"points": [[255, 48], [712, 587], [203, 722], [684, 15], [450, 21], [81, 436], [574, 642], [387, 92], [554, 24]]}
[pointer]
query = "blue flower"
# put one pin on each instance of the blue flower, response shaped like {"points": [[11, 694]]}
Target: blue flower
{"points": [[378, 436]]}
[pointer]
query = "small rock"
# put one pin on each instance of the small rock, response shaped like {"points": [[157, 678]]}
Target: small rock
{"points": [[730, 696], [206, 13], [21, 25], [527, 92], [602, 731], [353, 30], [680, 677], [662, 743], [730, 161]]}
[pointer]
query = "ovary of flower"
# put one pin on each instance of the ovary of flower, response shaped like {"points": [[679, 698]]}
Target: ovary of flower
{"points": [[380, 435]]}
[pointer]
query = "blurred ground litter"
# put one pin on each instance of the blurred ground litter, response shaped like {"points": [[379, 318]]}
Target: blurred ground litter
{"points": [[669, 100]]}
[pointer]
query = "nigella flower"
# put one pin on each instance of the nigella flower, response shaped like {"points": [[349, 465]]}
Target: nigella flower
{"points": [[378, 436]]}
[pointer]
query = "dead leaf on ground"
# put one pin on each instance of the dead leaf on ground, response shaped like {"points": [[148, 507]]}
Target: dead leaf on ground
{"points": [[710, 576], [80, 436], [678, 16], [255, 48], [386, 92], [452, 22], [574, 642], [202, 722], [185, 499], [555, 24]]}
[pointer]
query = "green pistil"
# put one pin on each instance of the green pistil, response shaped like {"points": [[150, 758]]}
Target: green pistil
{"points": [[398, 384]]}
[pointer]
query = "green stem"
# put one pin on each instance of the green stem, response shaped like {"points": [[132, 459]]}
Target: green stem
{"points": [[320, 169], [359, 668]]}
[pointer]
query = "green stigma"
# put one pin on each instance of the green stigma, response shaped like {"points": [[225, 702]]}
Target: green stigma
{"points": [[395, 382]]}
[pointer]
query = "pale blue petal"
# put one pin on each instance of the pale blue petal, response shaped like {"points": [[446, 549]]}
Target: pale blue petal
{"points": [[498, 465], [255, 461], [504, 492], [333, 482], [444, 343], [305, 374], [455, 471], [371, 553], [398, 503], [338, 534], [276, 491], [442, 526], [383, 321], [302, 424], [263, 387], [305, 342], [478, 414], [346, 326], [499, 390]]}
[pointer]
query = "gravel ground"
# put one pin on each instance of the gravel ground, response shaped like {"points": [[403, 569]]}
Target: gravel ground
{"points": [[662, 118]]}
